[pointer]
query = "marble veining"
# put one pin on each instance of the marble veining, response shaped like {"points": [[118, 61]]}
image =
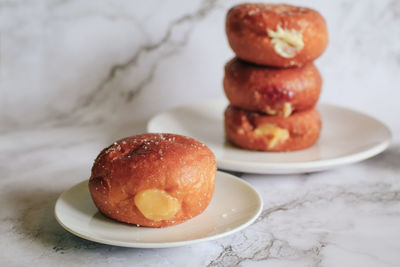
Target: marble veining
{"points": [[166, 40], [75, 76]]}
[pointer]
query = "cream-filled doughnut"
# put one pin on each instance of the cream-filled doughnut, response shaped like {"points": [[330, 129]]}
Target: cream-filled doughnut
{"points": [[276, 34], [153, 180], [257, 131], [271, 90]]}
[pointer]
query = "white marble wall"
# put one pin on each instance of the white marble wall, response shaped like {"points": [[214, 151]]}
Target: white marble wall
{"points": [[76, 75], [126, 60]]}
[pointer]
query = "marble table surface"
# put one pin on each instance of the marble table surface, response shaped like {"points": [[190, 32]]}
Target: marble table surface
{"points": [[77, 75]]}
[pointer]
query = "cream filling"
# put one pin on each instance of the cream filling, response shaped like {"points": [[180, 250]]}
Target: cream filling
{"points": [[275, 134], [287, 43], [156, 204], [287, 109]]}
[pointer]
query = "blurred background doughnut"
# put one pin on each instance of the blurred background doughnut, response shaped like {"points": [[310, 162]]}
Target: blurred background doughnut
{"points": [[271, 90], [257, 131], [276, 35]]}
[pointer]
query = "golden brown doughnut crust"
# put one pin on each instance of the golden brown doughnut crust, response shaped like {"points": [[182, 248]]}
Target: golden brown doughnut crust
{"points": [[271, 90], [181, 166], [251, 28], [303, 129]]}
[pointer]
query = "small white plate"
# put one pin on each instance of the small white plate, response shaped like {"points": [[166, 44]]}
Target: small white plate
{"points": [[347, 136], [234, 206]]}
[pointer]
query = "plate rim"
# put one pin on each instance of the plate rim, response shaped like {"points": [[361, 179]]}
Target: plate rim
{"points": [[164, 244], [294, 167]]}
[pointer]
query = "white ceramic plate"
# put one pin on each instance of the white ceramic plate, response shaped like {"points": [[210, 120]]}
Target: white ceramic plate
{"points": [[347, 136], [234, 206]]}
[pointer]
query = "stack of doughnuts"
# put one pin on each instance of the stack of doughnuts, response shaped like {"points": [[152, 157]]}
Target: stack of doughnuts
{"points": [[272, 84]]}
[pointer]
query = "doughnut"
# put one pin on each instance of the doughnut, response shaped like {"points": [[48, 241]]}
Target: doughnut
{"points": [[257, 131], [153, 180], [276, 34], [271, 90]]}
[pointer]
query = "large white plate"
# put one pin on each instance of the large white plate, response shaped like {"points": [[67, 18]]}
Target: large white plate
{"points": [[347, 136], [234, 206]]}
